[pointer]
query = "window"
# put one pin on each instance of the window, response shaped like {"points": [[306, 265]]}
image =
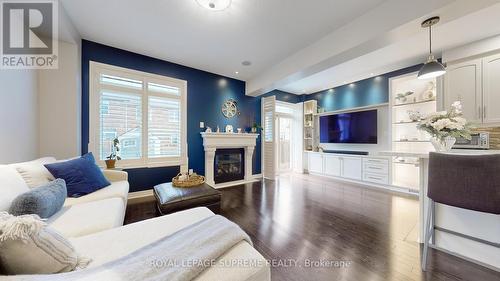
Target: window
{"points": [[146, 112]]}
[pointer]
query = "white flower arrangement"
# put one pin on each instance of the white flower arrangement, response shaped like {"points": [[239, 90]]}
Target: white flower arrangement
{"points": [[444, 124]]}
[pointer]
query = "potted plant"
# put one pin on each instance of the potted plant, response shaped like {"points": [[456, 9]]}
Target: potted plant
{"points": [[255, 127], [113, 157], [445, 126]]}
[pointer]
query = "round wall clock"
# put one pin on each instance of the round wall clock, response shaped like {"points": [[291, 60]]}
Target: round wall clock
{"points": [[230, 108]]}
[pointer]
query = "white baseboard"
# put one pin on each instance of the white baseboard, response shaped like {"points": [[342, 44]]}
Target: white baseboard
{"points": [[257, 176]]}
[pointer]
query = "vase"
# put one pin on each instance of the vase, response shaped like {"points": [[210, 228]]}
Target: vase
{"points": [[449, 142], [110, 163], [443, 145]]}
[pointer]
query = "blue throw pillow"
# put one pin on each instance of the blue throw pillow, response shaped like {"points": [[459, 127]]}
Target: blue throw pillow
{"points": [[43, 201], [82, 175]]}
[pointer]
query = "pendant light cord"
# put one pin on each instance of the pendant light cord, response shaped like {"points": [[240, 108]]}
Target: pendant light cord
{"points": [[430, 40]]}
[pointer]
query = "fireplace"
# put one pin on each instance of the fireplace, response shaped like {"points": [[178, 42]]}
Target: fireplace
{"points": [[229, 165]]}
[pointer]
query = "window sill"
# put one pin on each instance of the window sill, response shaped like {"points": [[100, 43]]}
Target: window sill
{"points": [[140, 166]]}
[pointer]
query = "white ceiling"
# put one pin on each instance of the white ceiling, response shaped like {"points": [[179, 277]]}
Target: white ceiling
{"points": [[294, 45], [261, 31], [407, 51]]}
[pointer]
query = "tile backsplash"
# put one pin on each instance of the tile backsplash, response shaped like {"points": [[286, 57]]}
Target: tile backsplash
{"points": [[494, 136]]}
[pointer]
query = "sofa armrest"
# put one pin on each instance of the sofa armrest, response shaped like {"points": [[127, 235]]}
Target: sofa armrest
{"points": [[113, 175]]}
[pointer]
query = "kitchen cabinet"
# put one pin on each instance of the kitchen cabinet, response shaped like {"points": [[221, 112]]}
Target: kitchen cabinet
{"points": [[476, 83], [462, 82], [491, 89]]}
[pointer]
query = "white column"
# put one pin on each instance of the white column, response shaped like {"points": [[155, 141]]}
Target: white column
{"points": [[209, 165], [248, 162]]}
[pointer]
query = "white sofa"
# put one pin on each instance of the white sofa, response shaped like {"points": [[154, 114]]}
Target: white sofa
{"points": [[94, 223], [98, 211]]}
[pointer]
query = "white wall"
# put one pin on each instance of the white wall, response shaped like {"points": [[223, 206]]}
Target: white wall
{"points": [[59, 105], [18, 116]]}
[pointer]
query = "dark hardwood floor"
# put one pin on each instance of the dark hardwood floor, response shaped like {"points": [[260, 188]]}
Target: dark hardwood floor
{"points": [[307, 218]]}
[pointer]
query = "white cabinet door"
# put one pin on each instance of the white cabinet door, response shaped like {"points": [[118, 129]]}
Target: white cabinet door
{"points": [[332, 165], [315, 163], [462, 82], [351, 168], [491, 89]]}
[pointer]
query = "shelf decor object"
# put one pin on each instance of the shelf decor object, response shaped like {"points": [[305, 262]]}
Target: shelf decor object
{"points": [[445, 126], [432, 68]]}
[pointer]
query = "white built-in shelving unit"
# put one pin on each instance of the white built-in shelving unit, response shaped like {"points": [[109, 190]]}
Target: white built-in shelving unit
{"points": [[310, 123], [405, 135]]}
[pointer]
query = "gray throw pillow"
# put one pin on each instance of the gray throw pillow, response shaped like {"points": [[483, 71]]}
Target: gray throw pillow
{"points": [[43, 201]]}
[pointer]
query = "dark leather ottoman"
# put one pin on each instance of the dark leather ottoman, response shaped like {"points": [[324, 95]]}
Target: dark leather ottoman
{"points": [[170, 199]]}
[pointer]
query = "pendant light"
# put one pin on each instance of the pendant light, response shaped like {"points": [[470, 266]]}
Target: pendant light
{"points": [[432, 68]]}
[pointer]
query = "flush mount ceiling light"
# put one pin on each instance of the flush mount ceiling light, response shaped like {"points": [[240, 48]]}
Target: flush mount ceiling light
{"points": [[432, 68], [214, 5]]}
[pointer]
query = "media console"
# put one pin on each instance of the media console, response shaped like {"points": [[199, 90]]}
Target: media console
{"points": [[364, 169]]}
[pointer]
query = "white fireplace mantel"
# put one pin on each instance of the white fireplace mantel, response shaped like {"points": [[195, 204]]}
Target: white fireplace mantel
{"points": [[214, 141]]}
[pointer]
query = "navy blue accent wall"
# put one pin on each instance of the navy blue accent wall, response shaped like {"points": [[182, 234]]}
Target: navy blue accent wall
{"points": [[366, 92], [206, 93], [146, 178]]}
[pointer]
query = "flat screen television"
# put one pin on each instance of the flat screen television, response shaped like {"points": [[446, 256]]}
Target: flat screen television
{"points": [[352, 127]]}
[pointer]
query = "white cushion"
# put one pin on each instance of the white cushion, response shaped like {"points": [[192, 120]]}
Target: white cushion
{"points": [[34, 172], [124, 240], [118, 189], [11, 185], [29, 246], [86, 218]]}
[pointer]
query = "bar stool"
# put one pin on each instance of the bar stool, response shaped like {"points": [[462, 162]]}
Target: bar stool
{"points": [[465, 181]]}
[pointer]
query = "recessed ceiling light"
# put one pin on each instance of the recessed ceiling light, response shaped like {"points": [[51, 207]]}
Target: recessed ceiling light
{"points": [[214, 5], [246, 63], [236, 72], [371, 74]]}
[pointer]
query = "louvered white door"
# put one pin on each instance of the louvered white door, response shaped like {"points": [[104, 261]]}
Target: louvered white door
{"points": [[269, 137]]}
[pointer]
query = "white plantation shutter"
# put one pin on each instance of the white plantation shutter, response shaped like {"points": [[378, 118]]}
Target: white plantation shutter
{"points": [[269, 143], [145, 111], [164, 132], [120, 116]]}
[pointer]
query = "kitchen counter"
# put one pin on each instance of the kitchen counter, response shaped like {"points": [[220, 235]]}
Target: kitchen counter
{"points": [[470, 223], [425, 155]]}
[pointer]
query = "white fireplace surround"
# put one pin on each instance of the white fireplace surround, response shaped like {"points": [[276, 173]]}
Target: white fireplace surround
{"points": [[214, 141]]}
